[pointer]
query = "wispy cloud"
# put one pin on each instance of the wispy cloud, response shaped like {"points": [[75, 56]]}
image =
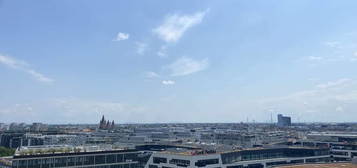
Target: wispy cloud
{"points": [[186, 66], [23, 66], [121, 36], [341, 50], [354, 57], [333, 44], [141, 48], [168, 82], [174, 26], [162, 51], [315, 58], [151, 74], [337, 83]]}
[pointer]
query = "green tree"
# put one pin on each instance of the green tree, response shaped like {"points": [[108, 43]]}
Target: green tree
{"points": [[6, 151]]}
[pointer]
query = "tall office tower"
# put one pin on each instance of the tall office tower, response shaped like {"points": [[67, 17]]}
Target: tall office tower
{"points": [[284, 121]]}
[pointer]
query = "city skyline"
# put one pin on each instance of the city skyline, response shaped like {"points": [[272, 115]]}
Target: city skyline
{"points": [[184, 61]]}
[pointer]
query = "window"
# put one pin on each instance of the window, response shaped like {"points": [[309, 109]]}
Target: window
{"points": [[130, 157], [60, 162], [339, 153], [111, 158], [79, 161], [71, 161], [238, 166], [22, 164], [100, 159], [15, 163], [120, 158], [232, 157], [153, 166], [180, 162], [203, 163], [88, 160], [46, 163], [159, 160]]}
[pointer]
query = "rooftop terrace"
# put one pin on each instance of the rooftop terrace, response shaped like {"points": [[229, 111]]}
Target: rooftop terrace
{"points": [[60, 149]]}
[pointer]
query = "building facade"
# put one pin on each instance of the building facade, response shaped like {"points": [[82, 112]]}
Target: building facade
{"points": [[257, 158], [94, 159], [165, 156], [284, 121]]}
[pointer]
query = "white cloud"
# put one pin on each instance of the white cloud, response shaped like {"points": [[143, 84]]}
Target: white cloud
{"points": [[23, 66], [121, 36], [39, 76], [174, 26], [315, 58], [141, 48], [341, 50], [185, 66], [151, 74], [168, 82], [333, 44], [337, 83], [11, 62], [354, 57], [162, 52]]}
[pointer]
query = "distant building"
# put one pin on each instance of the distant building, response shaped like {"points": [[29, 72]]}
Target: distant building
{"points": [[284, 121], [18, 139], [17, 126], [2, 126], [106, 125], [36, 127], [11, 140]]}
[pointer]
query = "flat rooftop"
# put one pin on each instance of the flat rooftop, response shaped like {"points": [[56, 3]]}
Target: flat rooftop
{"points": [[333, 134], [329, 165], [208, 151]]}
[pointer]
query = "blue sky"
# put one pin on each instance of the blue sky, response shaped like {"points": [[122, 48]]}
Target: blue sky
{"points": [[177, 61]]}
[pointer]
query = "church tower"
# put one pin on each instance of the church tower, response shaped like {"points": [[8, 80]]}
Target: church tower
{"points": [[106, 124], [112, 126], [102, 123]]}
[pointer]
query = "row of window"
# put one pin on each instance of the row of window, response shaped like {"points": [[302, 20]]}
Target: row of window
{"points": [[228, 158], [339, 153], [158, 160], [203, 163], [236, 157], [75, 161], [185, 163], [180, 162]]}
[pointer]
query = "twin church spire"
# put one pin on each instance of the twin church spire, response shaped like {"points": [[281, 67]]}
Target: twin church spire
{"points": [[106, 125]]}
